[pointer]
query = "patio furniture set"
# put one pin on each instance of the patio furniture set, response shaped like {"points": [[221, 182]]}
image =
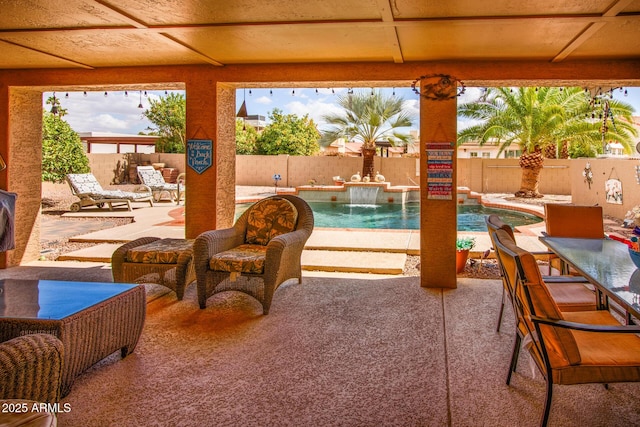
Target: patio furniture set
{"points": [[52, 331], [573, 334]]}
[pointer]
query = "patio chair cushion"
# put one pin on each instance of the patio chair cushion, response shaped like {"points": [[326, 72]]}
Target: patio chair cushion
{"points": [[163, 251], [242, 259], [561, 345], [270, 218]]}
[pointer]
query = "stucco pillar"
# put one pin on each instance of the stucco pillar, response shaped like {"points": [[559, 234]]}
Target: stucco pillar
{"points": [[21, 148], [438, 217], [226, 156], [201, 188], [210, 195]]}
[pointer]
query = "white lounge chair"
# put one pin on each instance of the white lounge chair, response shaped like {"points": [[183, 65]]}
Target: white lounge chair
{"points": [[86, 187], [153, 178]]}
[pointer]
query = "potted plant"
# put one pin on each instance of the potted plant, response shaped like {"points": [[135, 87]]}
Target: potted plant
{"points": [[463, 246]]}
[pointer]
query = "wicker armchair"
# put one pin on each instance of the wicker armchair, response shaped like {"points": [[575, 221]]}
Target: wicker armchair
{"points": [[31, 367], [260, 252]]}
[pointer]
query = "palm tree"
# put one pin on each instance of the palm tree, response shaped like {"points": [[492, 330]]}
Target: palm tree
{"points": [[368, 117], [539, 118]]}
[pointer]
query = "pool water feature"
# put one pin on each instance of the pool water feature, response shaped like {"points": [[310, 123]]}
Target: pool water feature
{"points": [[403, 217]]}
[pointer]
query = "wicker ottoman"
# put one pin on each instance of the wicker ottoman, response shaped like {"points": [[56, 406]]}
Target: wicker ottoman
{"points": [[166, 262]]}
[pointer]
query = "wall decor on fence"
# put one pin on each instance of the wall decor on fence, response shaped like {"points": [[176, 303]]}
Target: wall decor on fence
{"points": [[440, 170], [613, 189], [199, 154]]}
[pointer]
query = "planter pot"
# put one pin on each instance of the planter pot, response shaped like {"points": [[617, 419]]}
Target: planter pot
{"points": [[461, 260]]}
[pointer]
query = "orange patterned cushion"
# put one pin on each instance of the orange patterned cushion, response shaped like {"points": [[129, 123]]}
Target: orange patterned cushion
{"points": [[242, 259], [163, 251], [269, 218]]}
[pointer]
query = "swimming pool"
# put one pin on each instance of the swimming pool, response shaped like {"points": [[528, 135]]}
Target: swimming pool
{"points": [[397, 216]]}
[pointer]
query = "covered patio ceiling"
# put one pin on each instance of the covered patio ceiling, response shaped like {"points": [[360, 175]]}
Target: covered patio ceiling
{"points": [[93, 34]]}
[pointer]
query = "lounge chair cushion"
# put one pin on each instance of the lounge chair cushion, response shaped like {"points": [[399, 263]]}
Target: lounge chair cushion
{"points": [[242, 259], [163, 251], [153, 179], [270, 218], [87, 185]]}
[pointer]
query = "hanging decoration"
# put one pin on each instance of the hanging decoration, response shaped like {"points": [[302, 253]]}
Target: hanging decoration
{"points": [[438, 87], [613, 189], [587, 173]]}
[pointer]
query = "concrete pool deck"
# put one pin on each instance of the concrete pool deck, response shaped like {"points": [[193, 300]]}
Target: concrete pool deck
{"points": [[328, 249]]}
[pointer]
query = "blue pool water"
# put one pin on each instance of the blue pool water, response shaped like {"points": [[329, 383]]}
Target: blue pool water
{"points": [[396, 216]]}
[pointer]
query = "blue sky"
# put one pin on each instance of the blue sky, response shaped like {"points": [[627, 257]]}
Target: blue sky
{"points": [[117, 113]]}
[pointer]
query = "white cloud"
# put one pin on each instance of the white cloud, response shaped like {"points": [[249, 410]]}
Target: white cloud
{"points": [[264, 100], [314, 108]]}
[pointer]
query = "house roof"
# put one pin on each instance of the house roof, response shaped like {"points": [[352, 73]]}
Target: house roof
{"points": [[90, 34]]}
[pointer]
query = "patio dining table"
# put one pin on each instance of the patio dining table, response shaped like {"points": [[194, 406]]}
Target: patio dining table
{"points": [[607, 265]]}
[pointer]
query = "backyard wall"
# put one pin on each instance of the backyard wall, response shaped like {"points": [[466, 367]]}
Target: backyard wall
{"points": [[114, 168], [604, 169]]}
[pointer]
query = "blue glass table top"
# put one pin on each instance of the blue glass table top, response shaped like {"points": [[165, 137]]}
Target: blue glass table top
{"points": [[51, 299], [606, 263]]}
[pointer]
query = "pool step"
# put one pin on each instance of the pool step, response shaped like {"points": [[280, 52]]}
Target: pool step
{"points": [[354, 261]]}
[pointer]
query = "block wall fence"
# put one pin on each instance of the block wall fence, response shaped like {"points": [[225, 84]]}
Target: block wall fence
{"points": [[560, 177]]}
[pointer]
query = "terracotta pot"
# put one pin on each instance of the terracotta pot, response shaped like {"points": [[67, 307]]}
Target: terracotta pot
{"points": [[461, 259]]}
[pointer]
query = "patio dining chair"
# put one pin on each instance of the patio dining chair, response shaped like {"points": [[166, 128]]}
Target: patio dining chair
{"points": [[567, 220], [568, 348], [86, 187], [569, 292], [153, 178], [261, 251]]}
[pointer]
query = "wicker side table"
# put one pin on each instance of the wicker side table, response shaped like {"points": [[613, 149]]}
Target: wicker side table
{"points": [[166, 262]]}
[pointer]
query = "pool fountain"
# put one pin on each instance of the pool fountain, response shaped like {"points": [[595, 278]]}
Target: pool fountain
{"points": [[359, 195]]}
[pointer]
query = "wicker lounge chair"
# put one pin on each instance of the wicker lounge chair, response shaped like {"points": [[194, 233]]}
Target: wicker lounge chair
{"points": [[152, 178], [260, 252], [87, 188]]}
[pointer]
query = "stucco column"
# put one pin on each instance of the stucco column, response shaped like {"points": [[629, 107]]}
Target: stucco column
{"points": [[438, 217], [21, 148], [226, 156], [201, 188], [210, 195]]}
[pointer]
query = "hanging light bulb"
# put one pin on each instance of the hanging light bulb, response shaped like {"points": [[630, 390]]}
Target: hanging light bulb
{"points": [[394, 91], [105, 94], [84, 94], [54, 107], [293, 92], [270, 92], [126, 94], [145, 94], [140, 104], [66, 95], [250, 92]]}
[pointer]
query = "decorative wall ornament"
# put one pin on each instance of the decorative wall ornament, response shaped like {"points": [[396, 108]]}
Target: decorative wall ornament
{"points": [[613, 188], [587, 173], [438, 87]]}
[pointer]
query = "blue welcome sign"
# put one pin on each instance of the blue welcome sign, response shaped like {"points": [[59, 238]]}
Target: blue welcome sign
{"points": [[199, 154]]}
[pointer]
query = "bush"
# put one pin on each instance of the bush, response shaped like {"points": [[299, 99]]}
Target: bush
{"points": [[62, 151]]}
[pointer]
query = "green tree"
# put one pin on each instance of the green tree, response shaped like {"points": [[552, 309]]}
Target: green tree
{"points": [[289, 134], [368, 117], [62, 151], [246, 138], [538, 118], [168, 114]]}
